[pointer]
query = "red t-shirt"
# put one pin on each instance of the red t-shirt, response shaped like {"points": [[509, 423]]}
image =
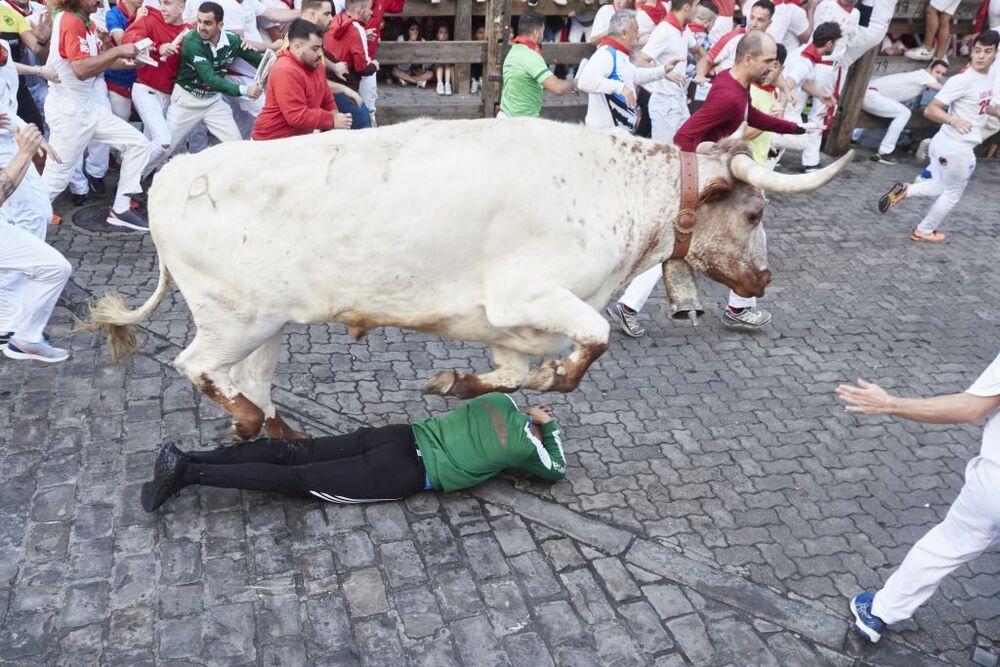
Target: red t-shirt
{"points": [[155, 28], [725, 108], [298, 101]]}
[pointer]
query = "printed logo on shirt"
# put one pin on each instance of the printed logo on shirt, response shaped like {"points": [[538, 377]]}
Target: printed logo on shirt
{"points": [[85, 46], [985, 98], [8, 21], [199, 59]]}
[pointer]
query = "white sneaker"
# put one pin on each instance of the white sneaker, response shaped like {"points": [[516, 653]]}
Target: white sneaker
{"points": [[421, 84], [440, 88], [922, 150], [474, 88], [919, 53], [401, 82], [447, 89]]}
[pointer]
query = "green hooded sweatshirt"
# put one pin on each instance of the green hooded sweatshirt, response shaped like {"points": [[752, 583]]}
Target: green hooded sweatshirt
{"points": [[481, 439]]}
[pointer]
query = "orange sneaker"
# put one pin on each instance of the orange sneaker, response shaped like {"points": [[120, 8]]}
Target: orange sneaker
{"points": [[56, 219], [933, 237]]}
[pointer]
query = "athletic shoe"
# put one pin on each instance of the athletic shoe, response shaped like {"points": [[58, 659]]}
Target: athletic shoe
{"points": [[78, 200], [868, 624], [748, 318], [809, 168], [440, 88], [5, 337], [168, 473], [922, 150], [919, 53], [895, 195], [628, 320], [421, 84], [129, 219], [447, 89], [881, 159], [97, 185], [34, 351]]}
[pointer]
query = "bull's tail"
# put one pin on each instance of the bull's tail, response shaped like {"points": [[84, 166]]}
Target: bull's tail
{"points": [[110, 314]]}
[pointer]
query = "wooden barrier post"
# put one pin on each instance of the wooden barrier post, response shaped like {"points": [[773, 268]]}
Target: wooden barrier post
{"points": [[497, 38], [463, 33], [839, 138]]}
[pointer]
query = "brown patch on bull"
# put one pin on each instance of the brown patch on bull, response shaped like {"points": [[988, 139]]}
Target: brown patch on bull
{"points": [[565, 375], [357, 333], [715, 189], [247, 417], [278, 429]]}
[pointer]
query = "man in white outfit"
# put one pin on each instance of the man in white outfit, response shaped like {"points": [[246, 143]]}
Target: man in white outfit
{"points": [[611, 80], [885, 97], [973, 521], [75, 118], [961, 107], [670, 40]]}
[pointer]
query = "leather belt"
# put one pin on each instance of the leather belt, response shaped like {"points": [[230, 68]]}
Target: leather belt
{"points": [[687, 215]]}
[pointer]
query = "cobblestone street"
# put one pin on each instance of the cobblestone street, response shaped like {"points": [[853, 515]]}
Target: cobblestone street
{"points": [[720, 506]]}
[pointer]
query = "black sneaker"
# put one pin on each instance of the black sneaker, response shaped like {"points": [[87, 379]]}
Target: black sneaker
{"points": [[78, 200], [168, 474], [881, 159], [96, 184], [129, 219], [895, 195], [627, 319]]}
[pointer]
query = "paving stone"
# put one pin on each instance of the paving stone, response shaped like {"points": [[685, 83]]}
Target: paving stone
{"points": [[419, 612], [790, 650], [365, 593], [645, 626], [614, 645], [563, 554], [82, 646], [668, 600], [180, 562], [743, 642], [476, 642], [485, 557], [616, 579], [229, 633], [132, 630], [692, 638], [180, 637], [512, 534], [527, 648], [505, 607], [456, 594], [353, 549], [85, 604], [557, 622], [587, 596], [387, 522], [434, 652], [329, 625], [535, 575], [28, 634], [378, 642], [436, 543], [402, 563]]}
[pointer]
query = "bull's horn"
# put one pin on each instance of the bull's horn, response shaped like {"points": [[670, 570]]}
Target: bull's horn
{"points": [[705, 147], [745, 169]]}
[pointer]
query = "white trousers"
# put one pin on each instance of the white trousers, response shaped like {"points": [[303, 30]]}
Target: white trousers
{"points": [[72, 129], [952, 164], [152, 105], [641, 287], [970, 527], [245, 110], [993, 14], [43, 273], [872, 35], [368, 90], [824, 78], [666, 114], [186, 111], [879, 105], [98, 153], [737, 301]]}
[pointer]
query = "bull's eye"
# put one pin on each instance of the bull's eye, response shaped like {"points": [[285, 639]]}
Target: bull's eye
{"points": [[753, 219]]}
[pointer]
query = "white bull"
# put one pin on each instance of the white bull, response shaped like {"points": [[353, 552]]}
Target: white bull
{"points": [[521, 232]]}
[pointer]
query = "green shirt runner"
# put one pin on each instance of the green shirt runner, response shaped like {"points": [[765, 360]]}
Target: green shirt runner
{"points": [[203, 67], [524, 70], [486, 435]]}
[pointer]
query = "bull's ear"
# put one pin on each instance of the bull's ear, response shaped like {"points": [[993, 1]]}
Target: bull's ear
{"points": [[715, 189], [705, 147]]}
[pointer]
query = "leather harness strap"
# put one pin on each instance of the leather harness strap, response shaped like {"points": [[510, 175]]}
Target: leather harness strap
{"points": [[687, 216]]}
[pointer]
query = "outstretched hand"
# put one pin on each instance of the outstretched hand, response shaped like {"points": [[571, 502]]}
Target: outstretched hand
{"points": [[867, 398], [541, 414]]}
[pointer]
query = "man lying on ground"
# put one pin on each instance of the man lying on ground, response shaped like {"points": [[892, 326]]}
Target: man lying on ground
{"points": [[458, 450]]}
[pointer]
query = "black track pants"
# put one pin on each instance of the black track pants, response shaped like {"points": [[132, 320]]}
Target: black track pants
{"points": [[367, 465]]}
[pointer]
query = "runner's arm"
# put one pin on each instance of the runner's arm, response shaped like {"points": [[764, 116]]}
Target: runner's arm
{"points": [[870, 399]]}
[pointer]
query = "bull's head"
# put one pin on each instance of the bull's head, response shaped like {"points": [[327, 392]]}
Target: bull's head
{"points": [[728, 243]]}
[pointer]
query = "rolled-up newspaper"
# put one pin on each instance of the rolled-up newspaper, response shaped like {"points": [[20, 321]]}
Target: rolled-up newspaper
{"points": [[264, 69]]}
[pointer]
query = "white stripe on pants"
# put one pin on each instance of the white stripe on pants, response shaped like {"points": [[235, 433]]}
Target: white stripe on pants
{"points": [[186, 110], [641, 287], [948, 179], [45, 273], [152, 105], [71, 131], [879, 105], [666, 114], [971, 526]]}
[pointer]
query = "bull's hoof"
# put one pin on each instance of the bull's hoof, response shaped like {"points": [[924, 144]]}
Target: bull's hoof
{"points": [[441, 383], [278, 429], [242, 432]]}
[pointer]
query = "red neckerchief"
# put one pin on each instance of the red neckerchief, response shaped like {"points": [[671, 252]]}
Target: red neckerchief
{"points": [[616, 45], [811, 53], [27, 11], [671, 18], [656, 13], [696, 27], [530, 43], [846, 6], [766, 89]]}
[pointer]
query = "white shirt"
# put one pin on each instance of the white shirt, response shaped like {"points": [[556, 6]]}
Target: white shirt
{"points": [[724, 50], [967, 96], [236, 16], [788, 22], [603, 19], [830, 10], [666, 42], [988, 384], [798, 68], [595, 79], [903, 86]]}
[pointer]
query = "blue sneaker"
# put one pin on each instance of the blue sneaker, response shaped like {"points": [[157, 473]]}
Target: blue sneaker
{"points": [[34, 351], [867, 624]]}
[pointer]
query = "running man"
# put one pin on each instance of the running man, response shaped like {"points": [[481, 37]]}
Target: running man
{"points": [[961, 108], [885, 97], [458, 450], [973, 521]]}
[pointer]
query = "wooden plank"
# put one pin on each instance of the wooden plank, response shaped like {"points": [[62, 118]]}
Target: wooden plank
{"points": [[390, 115], [562, 53], [914, 10], [463, 32], [885, 65], [431, 52], [497, 39], [839, 138]]}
